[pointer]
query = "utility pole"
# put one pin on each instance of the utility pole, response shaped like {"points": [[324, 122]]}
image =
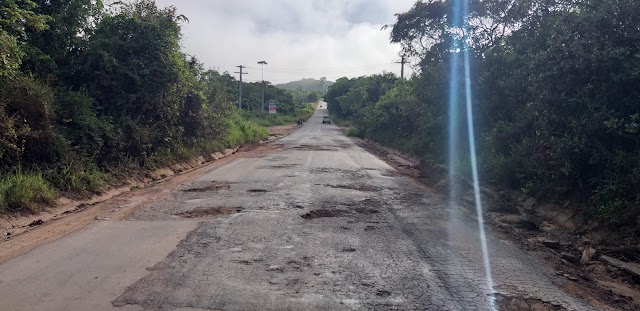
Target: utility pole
{"points": [[402, 62], [240, 86], [262, 63]]}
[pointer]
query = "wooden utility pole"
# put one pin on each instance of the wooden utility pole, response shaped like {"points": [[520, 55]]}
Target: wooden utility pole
{"points": [[402, 62]]}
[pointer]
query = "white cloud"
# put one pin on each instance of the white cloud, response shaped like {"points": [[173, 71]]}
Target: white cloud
{"points": [[298, 38]]}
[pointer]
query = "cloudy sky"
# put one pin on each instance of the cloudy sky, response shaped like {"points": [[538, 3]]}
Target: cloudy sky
{"points": [[298, 38]]}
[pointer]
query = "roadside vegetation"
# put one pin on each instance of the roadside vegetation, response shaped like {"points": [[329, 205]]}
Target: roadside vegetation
{"points": [[556, 100], [262, 118], [291, 105], [307, 85], [90, 94]]}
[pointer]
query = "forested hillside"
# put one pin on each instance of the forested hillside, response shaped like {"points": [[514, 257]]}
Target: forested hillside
{"points": [[313, 85], [556, 92], [89, 93]]}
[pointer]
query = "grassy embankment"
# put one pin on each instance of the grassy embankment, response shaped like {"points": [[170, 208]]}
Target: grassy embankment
{"points": [[33, 190]]}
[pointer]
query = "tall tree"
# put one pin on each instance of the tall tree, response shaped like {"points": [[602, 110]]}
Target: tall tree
{"points": [[17, 17]]}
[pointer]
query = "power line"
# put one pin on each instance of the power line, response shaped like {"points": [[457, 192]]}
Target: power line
{"points": [[324, 73], [273, 69]]}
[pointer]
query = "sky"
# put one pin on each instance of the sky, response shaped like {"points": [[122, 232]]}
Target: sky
{"points": [[297, 38]]}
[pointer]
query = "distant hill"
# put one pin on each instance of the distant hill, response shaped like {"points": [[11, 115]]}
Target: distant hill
{"points": [[306, 85]]}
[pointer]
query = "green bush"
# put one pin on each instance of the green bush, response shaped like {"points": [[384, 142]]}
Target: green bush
{"points": [[108, 92], [264, 119], [75, 177], [242, 131], [354, 132], [24, 192], [555, 100]]}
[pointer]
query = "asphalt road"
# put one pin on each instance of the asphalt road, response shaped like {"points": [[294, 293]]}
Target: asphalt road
{"points": [[318, 224]]}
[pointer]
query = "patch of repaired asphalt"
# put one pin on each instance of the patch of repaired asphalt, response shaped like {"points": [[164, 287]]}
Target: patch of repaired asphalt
{"points": [[286, 267], [292, 263]]}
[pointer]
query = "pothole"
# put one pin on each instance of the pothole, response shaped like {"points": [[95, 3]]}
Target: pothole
{"points": [[369, 228], [213, 187], [383, 294], [316, 148], [279, 166], [357, 187], [348, 250], [277, 158], [324, 213], [364, 210], [209, 212], [243, 262], [322, 170], [257, 190], [369, 203], [521, 304], [392, 173]]}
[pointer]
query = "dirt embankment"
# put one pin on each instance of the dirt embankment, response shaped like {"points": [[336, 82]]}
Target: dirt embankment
{"points": [[21, 233], [598, 270]]}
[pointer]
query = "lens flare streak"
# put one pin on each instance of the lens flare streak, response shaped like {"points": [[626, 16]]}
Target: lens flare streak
{"points": [[461, 46]]}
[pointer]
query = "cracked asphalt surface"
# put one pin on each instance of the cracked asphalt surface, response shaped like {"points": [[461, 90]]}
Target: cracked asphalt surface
{"points": [[322, 224]]}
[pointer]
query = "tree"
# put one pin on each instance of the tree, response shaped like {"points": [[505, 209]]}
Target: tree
{"points": [[52, 54], [134, 69], [16, 18]]}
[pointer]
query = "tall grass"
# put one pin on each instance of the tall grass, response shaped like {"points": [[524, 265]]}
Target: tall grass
{"points": [[24, 192], [76, 177], [242, 131]]}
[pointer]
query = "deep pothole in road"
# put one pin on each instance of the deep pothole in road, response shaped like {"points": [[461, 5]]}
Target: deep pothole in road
{"points": [[324, 213], [521, 304], [257, 190], [383, 294], [364, 210], [368, 203], [347, 172], [316, 148], [296, 205], [367, 206], [356, 186], [201, 212], [215, 186]]}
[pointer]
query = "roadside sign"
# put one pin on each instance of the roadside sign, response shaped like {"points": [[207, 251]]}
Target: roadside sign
{"points": [[272, 108]]}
